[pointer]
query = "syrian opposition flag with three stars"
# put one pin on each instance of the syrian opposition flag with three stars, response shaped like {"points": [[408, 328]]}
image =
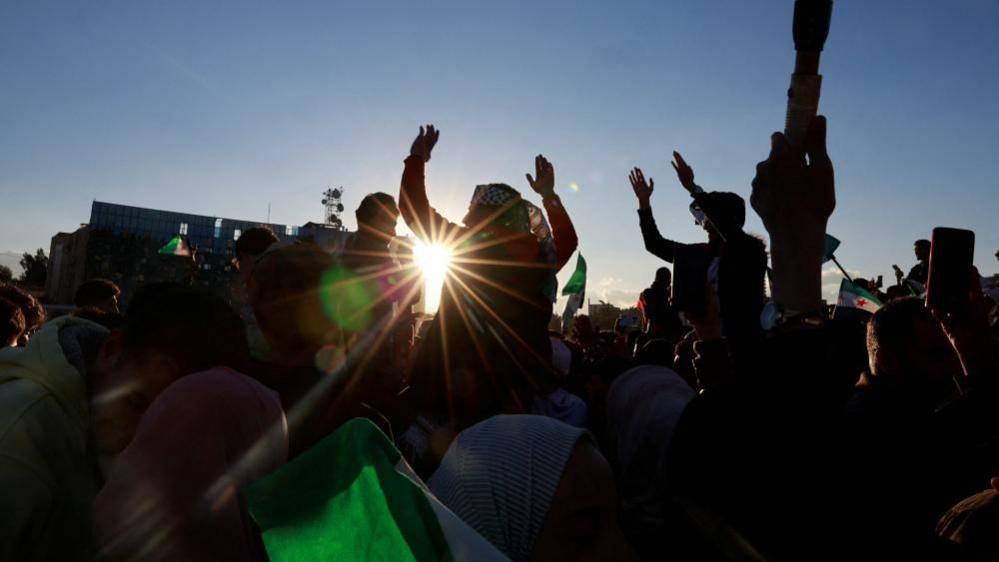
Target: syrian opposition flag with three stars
{"points": [[852, 295]]}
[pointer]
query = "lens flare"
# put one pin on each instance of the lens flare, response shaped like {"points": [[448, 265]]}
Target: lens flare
{"points": [[433, 260]]}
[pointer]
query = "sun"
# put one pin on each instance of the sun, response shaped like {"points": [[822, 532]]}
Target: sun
{"points": [[433, 261]]}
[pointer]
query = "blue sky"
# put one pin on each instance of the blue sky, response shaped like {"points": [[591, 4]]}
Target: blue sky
{"points": [[219, 109]]}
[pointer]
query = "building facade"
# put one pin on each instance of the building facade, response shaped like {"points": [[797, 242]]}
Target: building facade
{"points": [[214, 235], [121, 243]]}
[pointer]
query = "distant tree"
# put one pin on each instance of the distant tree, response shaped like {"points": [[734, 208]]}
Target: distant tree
{"points": [[6, 275], [35, 268]]}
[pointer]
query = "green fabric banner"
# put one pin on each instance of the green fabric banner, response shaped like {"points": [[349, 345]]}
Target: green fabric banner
{"points": [[577, 282], [344, 500]]}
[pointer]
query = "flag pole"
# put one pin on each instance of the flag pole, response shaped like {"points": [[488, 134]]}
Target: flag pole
{"points": [[845, 274]]}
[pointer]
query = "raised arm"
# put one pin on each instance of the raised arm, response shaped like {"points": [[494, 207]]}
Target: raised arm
{"points": [[422, 219], [795, 197], [563, 232], [655, 244]]}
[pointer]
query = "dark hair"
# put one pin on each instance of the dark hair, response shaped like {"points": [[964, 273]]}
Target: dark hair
{"points": [[94, 292], [193, 327], [663, 276], [34, 313], [11, 322], [922, 243], [890, 329], [726, 210], [375, 204], [255, 241]]}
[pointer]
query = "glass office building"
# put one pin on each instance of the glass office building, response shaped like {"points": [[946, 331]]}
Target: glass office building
{"points": [[209, 234]]}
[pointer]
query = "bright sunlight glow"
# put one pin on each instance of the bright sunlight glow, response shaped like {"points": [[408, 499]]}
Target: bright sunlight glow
{"points": [[433, 261]]}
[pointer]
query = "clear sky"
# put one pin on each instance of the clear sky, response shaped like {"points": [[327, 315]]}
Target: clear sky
{"points": [[221, 108]]}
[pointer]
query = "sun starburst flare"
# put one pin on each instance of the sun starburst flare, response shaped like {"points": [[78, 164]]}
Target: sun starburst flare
{"points": [[433, 261]]}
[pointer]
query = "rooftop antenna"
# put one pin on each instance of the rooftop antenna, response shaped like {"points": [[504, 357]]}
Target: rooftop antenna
{"points": [[333, 207], [268, 212]]}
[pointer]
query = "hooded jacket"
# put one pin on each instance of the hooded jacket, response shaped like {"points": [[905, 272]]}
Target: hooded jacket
{"points": [[49, 474]]}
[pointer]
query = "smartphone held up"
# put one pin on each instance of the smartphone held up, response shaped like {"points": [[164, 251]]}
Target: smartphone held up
{"points": [[952, 253]]}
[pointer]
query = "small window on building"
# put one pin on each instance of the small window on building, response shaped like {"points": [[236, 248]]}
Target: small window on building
{"points": [[183, 228], [236, 233], [288, 230], [218, 228], [294, 231]]}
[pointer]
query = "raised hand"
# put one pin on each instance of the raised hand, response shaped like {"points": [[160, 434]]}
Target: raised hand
{"points": [[967, 328], [789, 193], [643, 190], [545, 172], [795, 199], [684, 173], [424, 143]]}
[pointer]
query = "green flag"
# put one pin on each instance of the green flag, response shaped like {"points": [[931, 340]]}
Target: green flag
{"points": [[577, 283], [353, 497], [830, 248], [177, 246], [852, 295]]}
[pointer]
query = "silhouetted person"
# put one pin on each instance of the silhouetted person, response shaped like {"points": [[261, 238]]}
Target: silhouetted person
{"points": [[11, 323], [250, 245], [72, 399], [381, 285], [34, 313], [497, 298], [921, 271], [98, 293], [659, 318], [738, 260]]}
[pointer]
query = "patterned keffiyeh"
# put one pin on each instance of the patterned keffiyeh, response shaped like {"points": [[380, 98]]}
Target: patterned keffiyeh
{"points": [[521, 216], [493, 195]]}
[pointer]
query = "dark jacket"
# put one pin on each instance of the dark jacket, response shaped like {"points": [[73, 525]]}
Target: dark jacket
{"points": [[741, 272]]}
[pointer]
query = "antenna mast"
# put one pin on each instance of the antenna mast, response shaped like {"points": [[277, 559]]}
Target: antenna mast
{"points": [[333, 207]]}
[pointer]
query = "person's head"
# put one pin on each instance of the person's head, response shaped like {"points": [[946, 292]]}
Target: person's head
{"points": [[11, 323], [907, 349], [536, 488], [922, 249], [378, 214], [728, 215], [180, 331], [663, 277], [32, 310], [497, 205], [98, 293], [250, 246], [289, 296]]}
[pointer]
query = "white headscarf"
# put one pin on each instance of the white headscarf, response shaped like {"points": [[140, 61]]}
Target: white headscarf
{"points": [[501, 474], [644, 405]]}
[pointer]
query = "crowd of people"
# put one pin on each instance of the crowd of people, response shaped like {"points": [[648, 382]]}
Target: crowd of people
{"points": [[138, 430]]}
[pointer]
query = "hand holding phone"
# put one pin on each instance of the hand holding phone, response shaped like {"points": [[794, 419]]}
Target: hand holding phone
{"points": [[952, 252]]}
